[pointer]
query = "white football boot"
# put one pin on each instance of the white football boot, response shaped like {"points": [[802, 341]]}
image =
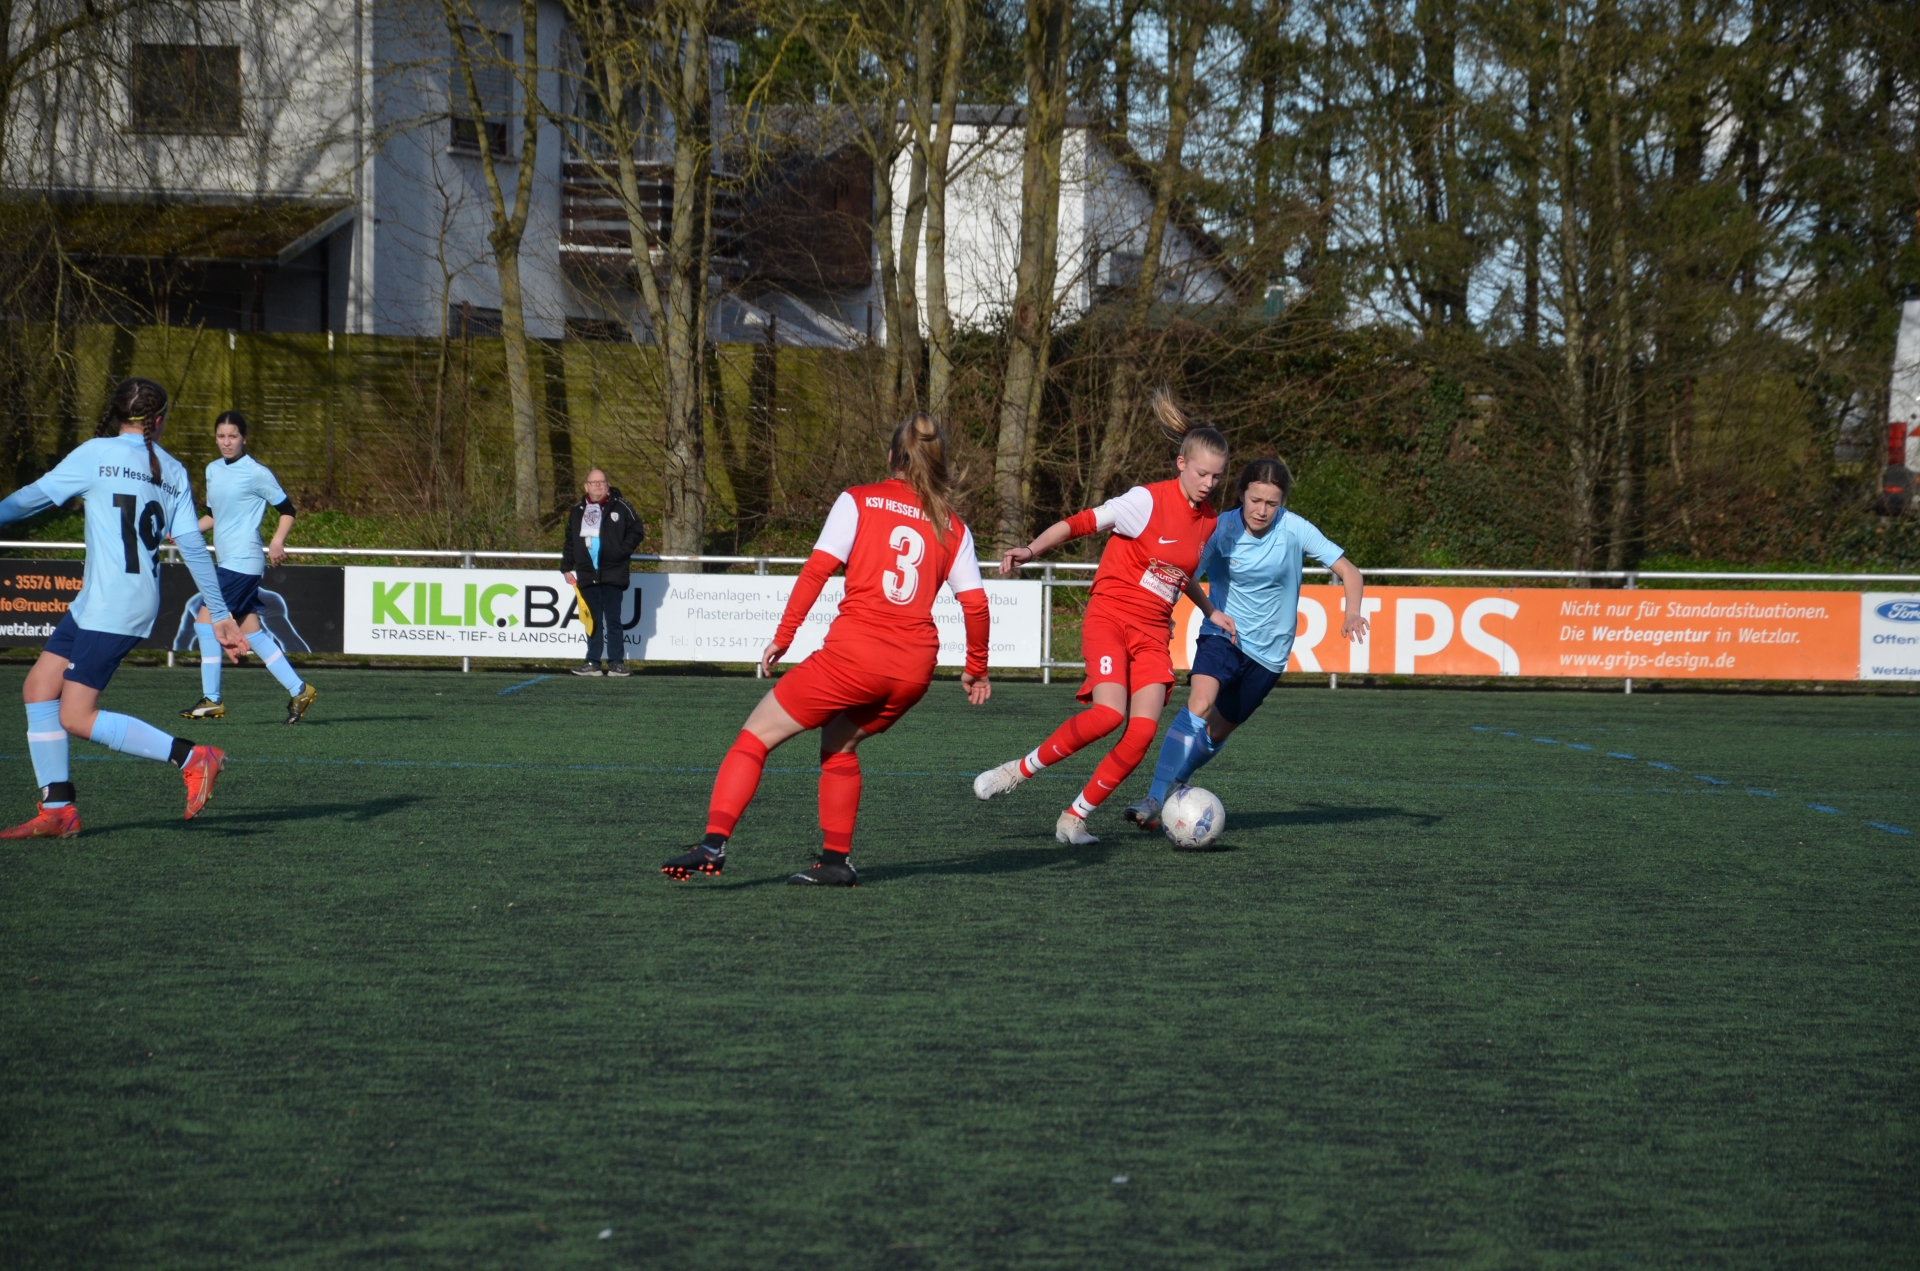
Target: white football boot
{"points": [[1072, 829], [998, 780]]}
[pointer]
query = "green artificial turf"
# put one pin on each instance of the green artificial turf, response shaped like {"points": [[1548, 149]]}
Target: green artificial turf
{"points": [[1456, 993]]}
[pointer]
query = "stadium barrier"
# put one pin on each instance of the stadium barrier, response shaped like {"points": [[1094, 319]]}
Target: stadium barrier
{"points": [[1579, 631]]}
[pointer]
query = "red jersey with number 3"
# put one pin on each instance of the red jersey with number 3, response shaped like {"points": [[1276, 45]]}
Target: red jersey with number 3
{"points": [[894, 568], [1155, 547]]}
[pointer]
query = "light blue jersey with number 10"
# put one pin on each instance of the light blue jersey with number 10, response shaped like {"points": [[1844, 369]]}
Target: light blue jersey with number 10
{"points": [[128, 517]]}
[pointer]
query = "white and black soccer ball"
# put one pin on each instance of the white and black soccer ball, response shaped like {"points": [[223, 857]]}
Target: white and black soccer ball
{"points": [[1193, 818]]}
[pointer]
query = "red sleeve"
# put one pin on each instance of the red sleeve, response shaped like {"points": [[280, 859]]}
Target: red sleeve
{"points": [[973, 607], [806, 590], [1083, 523]]}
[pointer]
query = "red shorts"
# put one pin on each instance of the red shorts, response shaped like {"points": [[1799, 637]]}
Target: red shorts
{"points": [[1124, 653], [826, 684]]}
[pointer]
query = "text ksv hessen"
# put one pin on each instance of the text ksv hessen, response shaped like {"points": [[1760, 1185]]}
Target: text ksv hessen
{"points": [[1665, 648], [467, 613]]}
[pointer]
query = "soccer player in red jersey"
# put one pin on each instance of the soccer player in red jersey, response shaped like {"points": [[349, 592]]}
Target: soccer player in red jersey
{"points": [[1159, 531], [899, 540]]}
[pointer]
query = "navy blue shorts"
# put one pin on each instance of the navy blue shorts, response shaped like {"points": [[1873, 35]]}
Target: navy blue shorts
{"points": [[92, 656], [1244, 683], [240, 591]]}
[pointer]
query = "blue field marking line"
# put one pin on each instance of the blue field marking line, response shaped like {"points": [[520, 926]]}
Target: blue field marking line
{"points": [[515, 688], [1709, 780]]}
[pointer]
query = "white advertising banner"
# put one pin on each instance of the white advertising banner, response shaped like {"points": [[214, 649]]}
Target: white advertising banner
{"points": [[526, 613], [1889, 636]]}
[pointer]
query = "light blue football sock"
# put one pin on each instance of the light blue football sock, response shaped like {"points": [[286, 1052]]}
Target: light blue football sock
{"points": [[276, 659], [1186, 747], [131, 736], [47, 743], [209, 661]]}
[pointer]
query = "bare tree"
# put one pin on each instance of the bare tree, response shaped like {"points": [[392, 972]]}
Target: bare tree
{"points": [[649, 71], [1045, 46], [1187, 27], [475, 52]]}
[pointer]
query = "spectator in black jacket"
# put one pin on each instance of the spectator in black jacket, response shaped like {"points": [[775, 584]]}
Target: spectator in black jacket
{"points": [[603, 532]]}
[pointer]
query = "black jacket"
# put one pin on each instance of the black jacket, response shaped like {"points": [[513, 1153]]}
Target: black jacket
{"points": [[620, 535]]}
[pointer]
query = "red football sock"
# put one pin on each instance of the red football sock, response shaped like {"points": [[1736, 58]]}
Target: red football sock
{"points": [[739, 778], [839, 799], [1089, 726], [1119, 763]]}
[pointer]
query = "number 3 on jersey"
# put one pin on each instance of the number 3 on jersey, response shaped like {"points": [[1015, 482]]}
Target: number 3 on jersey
{"points": [[900, 587], [138, 530]]}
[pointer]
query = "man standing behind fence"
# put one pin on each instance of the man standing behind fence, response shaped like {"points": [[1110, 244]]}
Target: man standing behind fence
{"points": [[603, 531]]}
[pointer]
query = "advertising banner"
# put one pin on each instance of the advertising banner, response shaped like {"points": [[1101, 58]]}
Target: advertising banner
{"points": [[34, 595], [1541, 631], [521, 613], [298, 603]]}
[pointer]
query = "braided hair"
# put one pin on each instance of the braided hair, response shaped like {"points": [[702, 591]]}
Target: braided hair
{"points": [[135, 401]]}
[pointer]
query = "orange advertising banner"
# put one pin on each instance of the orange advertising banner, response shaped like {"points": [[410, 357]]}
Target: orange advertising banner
{"points": [[1541, 631]]}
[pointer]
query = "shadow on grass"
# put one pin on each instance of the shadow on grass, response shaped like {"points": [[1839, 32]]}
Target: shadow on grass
{"points": [[243, 824], [1009, 861], [1325, 814]]}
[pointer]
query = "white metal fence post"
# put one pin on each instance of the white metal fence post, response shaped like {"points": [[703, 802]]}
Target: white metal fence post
{"points": [[1046, 625], [466, 663]]}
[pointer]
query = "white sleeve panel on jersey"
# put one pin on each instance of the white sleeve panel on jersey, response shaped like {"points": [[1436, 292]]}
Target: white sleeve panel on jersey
{"points": [[964, 573], [1126, 514], [836, 536]]}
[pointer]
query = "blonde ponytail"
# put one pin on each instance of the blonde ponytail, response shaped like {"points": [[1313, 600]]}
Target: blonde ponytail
{"points": [[919, 453], [1177, 427]]}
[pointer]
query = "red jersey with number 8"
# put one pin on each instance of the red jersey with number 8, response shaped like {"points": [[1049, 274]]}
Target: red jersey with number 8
{"points": [[1155, 547], [894, 568]]}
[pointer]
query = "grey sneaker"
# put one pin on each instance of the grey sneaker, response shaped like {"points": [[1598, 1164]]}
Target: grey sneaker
{"points": [[588, 668], [618, 670]]}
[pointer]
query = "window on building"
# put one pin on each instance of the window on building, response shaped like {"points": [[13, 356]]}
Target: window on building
{"points": [[471, 322], [490, 53], [185, 88]]}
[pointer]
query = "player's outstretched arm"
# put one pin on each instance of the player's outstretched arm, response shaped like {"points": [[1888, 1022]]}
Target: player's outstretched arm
{"points": [[1355, 626], [193, 554], [23, 503], [1204, 603], [1050, 538]]}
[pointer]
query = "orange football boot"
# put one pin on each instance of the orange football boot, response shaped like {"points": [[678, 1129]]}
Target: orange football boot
{"points": [[51, 823], [202, 766]]}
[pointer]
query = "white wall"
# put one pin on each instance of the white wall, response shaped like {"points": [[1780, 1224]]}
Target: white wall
{"points": [[427, 213], [1103, 209], [1903, 404], [297, 76]]}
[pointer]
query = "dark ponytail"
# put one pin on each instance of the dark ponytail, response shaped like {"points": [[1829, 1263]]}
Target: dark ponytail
{"points": [[135, 401], [919, 450], [1265, 472]]}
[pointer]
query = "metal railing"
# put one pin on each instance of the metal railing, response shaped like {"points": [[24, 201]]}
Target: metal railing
{"points": [[1050, 571]]}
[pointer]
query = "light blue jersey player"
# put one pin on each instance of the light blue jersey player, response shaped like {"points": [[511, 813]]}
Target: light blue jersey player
{"points": [[136, 495], [1252, 564], [239, 491]]}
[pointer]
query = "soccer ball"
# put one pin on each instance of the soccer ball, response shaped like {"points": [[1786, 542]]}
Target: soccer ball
{"points": [[1193, 818]]}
